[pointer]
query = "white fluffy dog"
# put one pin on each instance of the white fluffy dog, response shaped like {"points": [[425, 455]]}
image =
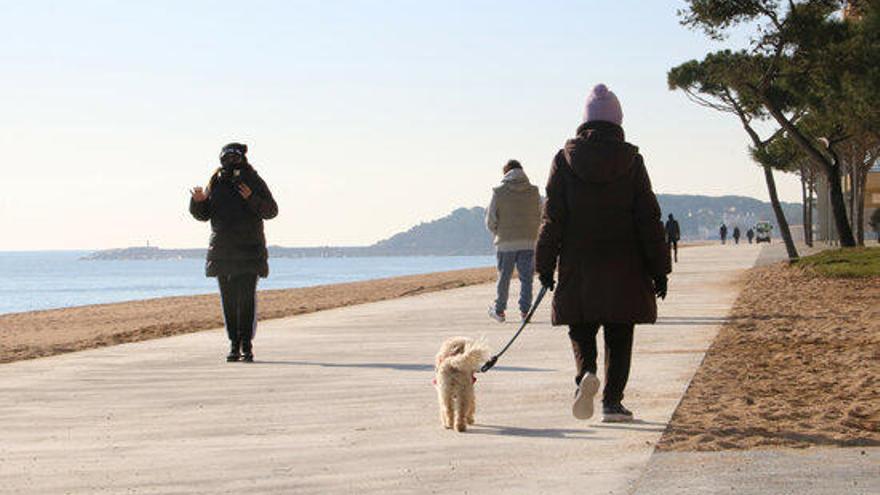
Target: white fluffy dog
{"points": [[457, 361]]}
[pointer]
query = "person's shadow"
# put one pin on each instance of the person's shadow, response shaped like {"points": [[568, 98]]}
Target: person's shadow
{"points": [[516, 431], [394, 366], [635, 425]]}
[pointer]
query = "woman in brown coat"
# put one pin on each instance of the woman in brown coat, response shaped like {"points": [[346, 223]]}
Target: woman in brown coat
{"points": [[601, 226]]}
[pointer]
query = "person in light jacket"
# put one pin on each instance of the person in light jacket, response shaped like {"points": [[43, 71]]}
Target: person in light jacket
{"points": [[513, 217], [236, 201]]}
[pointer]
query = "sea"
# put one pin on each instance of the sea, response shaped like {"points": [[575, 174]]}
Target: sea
{"points": [[39, 280]]}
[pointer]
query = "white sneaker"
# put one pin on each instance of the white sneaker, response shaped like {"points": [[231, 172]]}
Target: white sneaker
{"points": [[499, 317], [583, 398]]}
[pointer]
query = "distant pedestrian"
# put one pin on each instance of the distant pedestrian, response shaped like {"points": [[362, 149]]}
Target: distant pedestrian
{"points": [[236, 202], [513, 216], [736, 234], [602, 227], [723, 232], [750, 234], [673, 234]]}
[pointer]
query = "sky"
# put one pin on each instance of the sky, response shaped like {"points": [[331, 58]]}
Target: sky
{"points": [[364, 117]]}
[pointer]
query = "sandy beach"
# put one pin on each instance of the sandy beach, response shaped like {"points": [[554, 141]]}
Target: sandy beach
{"points": [[36, 334], [46, 333], [797, 365]]}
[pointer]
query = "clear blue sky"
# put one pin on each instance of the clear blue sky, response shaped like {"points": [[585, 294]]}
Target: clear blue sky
{"points": [[364, 117]]}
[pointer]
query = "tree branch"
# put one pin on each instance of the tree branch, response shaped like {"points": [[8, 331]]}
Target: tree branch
{"points": [[808, 147]]}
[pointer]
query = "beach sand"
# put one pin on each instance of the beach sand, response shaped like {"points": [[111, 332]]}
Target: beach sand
{"points": [[798, 365], [45, 333]]}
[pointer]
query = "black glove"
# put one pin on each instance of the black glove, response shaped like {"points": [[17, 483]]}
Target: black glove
{"points": [[661, 283], [547, 280]]}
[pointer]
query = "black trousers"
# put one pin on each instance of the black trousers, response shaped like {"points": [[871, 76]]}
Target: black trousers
{"points": [[618, 355], [673, 246], [238, 294]]}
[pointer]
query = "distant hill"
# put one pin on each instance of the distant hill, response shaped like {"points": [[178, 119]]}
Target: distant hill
{"points": [[463, 232]]}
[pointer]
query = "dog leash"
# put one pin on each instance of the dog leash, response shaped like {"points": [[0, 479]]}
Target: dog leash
{"points": [[494, 359]]}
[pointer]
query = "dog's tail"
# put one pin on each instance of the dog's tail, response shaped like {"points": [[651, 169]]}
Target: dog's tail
{"points": [[471, 357]]}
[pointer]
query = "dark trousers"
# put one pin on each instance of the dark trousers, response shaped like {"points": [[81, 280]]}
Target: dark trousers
{"points": [[673, 246], [618, 355], [238, 294]]}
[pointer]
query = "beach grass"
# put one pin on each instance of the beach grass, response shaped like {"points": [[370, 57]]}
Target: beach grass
{"points": [[845, 263]]}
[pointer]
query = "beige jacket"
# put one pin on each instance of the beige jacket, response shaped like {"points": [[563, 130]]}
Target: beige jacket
{"points": [[514, 214]]}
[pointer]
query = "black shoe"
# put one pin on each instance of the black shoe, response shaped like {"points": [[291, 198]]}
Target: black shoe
{"points": [[247, 352], [234, 353], [616, 413]]}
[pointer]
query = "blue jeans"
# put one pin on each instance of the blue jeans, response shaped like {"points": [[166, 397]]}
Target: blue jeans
{"points": [[524, 261]]}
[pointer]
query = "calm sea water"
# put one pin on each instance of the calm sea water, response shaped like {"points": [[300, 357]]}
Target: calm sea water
{"points": [[45, 280]]}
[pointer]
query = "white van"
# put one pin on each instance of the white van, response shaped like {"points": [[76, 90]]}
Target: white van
{"points": [[762, 232]]}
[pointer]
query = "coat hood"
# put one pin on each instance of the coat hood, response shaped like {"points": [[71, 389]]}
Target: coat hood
{"points": [[599, 153], [516, 180]]}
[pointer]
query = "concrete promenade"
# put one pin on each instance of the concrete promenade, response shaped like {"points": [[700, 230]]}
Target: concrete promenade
{"points": [[341, 402]]}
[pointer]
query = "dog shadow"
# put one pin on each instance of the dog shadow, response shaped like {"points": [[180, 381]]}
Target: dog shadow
{"points": [[396, 366], [517, 431]]}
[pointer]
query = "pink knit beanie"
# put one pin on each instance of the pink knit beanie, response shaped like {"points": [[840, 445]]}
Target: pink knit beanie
{"points": [[602, 105]]}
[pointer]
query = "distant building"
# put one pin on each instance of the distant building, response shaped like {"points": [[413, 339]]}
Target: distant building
{"points": [[853, 9], [826, 230], [872, 194]]}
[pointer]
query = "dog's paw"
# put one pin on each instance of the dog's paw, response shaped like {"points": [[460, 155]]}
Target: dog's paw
{"points": [[460, 427], [470, 420]]}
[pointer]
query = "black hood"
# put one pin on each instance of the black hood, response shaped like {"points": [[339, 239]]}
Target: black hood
{"points": [[599, 153]]}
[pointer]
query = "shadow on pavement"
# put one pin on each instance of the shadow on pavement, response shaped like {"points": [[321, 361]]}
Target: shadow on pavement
{"points": [[635, 425], [516, 431], [692, 320], [394, 366]]}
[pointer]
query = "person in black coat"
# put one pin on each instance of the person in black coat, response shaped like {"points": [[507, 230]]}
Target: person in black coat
{"points": [[673, 235], [236, 202]]}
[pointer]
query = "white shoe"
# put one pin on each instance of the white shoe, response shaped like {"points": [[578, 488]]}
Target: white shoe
{"points": [[499, 317], [583, 398]]}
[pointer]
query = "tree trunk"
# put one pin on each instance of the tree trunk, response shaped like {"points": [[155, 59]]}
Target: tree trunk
{"points": [[838, 208], [804, 205], [811, 189], [853, 186], [780, 216], [860, 206], [831, 168]]}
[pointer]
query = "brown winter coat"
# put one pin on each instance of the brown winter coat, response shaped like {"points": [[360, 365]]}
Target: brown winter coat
{"points": [[602, 223]]}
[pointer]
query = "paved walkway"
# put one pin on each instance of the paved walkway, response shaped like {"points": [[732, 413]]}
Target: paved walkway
{"points": [[817, 471], [341, 402]]}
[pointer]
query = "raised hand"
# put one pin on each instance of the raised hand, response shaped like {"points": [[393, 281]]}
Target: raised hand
{"points": [[198, 194], [244, 190]]}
